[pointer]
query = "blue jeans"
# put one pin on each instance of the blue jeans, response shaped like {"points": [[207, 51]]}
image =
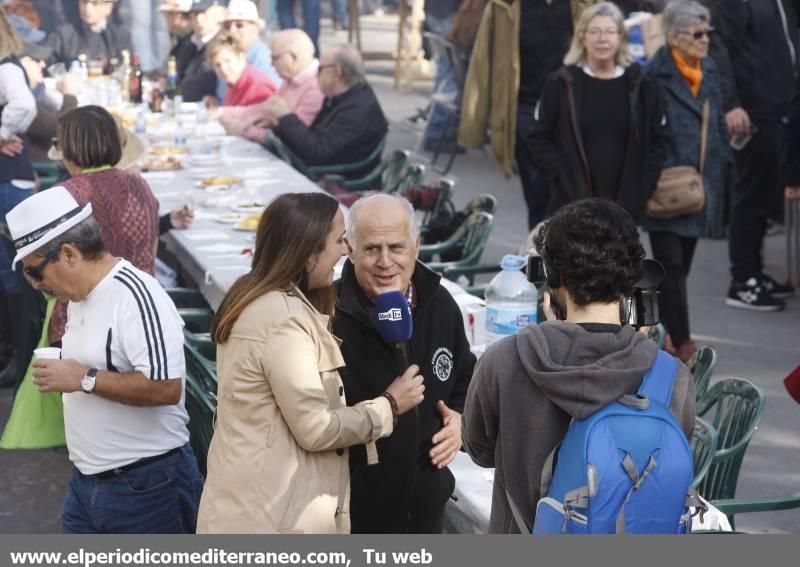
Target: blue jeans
{"points": [[339, 11], [160, 497], [310, 18], [10, 197], [148, 32], [443, 83]]}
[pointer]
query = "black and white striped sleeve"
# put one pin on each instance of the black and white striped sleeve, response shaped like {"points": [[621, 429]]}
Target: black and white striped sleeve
{"points": [[151, 334]]}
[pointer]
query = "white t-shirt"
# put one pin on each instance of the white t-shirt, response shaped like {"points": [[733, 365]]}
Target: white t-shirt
{"points": [[127, 323]]}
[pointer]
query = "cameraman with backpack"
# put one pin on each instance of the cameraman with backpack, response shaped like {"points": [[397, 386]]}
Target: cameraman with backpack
{"points": [[527, 389]]}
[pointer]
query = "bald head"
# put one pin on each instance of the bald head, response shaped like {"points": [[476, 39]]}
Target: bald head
{"points": [[293, 51], [381, 209]]}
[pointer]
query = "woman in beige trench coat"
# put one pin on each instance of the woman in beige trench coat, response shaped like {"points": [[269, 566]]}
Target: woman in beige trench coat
{"points": [[278, 460]]}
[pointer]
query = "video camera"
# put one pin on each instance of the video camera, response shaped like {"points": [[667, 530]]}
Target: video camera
{"points": [[639, 309]]}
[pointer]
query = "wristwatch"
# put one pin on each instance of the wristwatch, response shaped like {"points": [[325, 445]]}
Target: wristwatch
{"points": [[88, 381]]}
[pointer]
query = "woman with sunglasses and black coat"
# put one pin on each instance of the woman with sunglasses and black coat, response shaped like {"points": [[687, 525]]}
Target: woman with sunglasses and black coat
{"points": [[689, 79]]}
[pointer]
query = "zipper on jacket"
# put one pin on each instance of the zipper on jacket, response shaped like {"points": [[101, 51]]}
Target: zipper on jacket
{"points": [[785, 28], [576, 132]]}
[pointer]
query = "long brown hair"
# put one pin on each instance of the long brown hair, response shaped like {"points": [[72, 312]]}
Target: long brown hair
{"points": [[10, 42], [292, 229]]}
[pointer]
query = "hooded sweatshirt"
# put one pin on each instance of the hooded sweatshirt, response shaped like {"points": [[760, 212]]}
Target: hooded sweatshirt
{"points": [[526, 389]]}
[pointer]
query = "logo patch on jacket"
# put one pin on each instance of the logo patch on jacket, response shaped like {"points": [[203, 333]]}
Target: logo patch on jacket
{"points": [[442, 363]]}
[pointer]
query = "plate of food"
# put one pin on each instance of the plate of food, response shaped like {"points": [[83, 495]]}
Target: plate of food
{"points": [[220, 181], [231, 218], [163, 163], [169, 150], [249, 207], [248, 223]]}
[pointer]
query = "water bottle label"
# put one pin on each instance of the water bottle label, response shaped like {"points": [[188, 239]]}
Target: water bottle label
{"points": [[509, 320]]}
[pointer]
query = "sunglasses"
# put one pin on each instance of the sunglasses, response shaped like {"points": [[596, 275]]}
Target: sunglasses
{"points": [[35, 272], [237, 25], [698, 34]]}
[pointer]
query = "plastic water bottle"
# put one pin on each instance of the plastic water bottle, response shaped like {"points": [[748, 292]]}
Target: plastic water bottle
{"points": [[510, 300], [180, 133], [141, 123]]}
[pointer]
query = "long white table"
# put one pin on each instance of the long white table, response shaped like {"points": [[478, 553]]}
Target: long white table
{"points": [[212, 254]]}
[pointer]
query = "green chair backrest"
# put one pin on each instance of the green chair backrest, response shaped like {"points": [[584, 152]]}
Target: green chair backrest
{"points": [[445, 188], [201, 406], [413, 176], [701, 365], [394, 170], [202, 369], [203, 344], [734, 407], [483, 202], [704, 445], [196, 319], [316, 171], [186, 297], [469, 239], [48, 172]]}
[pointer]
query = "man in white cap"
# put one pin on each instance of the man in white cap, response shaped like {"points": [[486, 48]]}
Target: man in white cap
{"points": [[178, 20], [198, 80], [121, 375], [244, 25]]}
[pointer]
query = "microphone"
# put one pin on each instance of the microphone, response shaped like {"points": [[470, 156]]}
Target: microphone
{"points": [[395, 324]]}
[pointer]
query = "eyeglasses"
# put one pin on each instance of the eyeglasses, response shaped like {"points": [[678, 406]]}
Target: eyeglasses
{"points": [[597, 32], [698, 34], [35, 272], [238, 25], [321, 67], [281, 54]]}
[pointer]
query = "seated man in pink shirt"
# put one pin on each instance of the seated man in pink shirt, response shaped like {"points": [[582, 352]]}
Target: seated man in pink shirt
{"points": [[293, 59], [246, 84]]}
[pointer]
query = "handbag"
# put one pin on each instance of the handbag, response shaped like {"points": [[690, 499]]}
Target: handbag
{"points": [[680, 188]]}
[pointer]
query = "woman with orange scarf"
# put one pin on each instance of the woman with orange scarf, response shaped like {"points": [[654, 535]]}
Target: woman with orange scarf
{"points": [[689, 79]]}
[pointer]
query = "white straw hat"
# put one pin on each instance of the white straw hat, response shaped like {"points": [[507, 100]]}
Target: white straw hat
{"points": [[244, 10], [42, 217]]}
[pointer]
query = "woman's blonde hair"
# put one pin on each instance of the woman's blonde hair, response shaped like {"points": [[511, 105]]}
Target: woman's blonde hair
{"points": [[577, 52], [10, 42]]}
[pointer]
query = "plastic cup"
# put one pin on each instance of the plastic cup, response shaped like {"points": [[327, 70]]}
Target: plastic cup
{"points": [[47, 353]]}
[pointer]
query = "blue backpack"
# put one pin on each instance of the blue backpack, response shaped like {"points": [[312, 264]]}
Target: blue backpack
{"points": [[625, 469]]}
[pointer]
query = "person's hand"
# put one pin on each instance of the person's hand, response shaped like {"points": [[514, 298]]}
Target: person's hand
{"points": [[210, 102], [181, 218], [70, 85], [33, 69], [233, 126], [63, 376], [738, 122], [277, 106], [11, 147], [792, 192], [447, 441], [407, 389]]}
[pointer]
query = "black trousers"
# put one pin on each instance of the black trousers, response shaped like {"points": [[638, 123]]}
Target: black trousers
{"points": [[756, 195], [535, 186], [675, 253]]}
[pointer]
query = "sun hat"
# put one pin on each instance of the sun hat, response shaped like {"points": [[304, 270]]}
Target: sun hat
{"points": [[42, 217], [244, 10], [176, 6]]}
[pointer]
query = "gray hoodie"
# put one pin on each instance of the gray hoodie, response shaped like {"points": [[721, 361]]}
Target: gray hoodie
{"points": [[526, 389]]}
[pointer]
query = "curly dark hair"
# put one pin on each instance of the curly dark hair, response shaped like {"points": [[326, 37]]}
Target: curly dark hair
{"points": [[594, 245]]}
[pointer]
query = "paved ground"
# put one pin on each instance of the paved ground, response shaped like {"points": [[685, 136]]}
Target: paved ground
{"points": [[761, 347]]}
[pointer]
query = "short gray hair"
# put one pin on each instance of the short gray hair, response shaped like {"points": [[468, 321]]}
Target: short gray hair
{"points": [[85, 236], [682, 14], [352, 219], [349, 60]]}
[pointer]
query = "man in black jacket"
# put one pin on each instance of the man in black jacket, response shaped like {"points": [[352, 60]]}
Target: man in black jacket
{"points": [[407, 491], [351, 123], [96, 36], [756, 52], [198, 79]]}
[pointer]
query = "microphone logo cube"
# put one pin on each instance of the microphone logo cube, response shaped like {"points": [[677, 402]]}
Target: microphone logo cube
{"points": [[393, 315]]}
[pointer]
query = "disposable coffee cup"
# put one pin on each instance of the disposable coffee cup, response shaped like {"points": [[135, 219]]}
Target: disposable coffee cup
{"points": [[47, 353]]}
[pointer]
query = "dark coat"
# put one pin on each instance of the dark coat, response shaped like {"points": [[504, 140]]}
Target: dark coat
{"points": [[43, 128], [557, 149], [384, 495], [684, 115], [347, 130], [198, 80], [756, 54], [68, 41]]}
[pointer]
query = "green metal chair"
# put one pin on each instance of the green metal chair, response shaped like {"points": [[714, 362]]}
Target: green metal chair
{"points": [[196, 319], [704, 445], [485, 202], [702, 366], [201, 407], [202, 369], [385, 177], [469, 240], [732, 506], [734, 408], [48, 172]]}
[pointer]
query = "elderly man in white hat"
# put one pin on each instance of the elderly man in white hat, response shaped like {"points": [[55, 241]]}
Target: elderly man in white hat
{"points": [[120, 372], [244, 24], [179, 22]]}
